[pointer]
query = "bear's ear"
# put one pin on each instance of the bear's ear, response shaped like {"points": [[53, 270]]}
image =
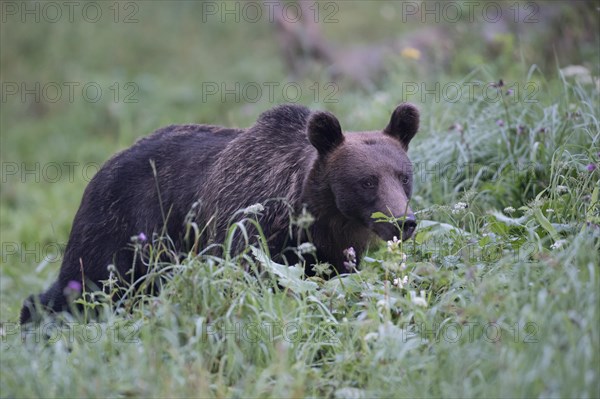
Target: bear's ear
{"points": [[324, 132], [404, 123]]}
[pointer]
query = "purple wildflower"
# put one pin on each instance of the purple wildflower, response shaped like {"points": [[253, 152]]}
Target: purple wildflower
{"points": [[500, 122], [73, 287], [592, 225], [591, 167], [142, 237], [509, 92], [350, 255], [457, 126]]}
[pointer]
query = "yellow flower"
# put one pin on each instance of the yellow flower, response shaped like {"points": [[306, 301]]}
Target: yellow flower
{"points": [[411, 52]]}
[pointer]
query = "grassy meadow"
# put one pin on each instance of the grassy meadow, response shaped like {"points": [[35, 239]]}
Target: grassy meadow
{"points": [[496, 295]]}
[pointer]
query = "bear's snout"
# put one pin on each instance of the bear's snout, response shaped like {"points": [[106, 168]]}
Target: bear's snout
{"points": [[387, 231], [408, 227]]}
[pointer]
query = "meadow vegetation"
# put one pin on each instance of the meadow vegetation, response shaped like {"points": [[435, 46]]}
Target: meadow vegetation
{"points": [[496, 296]]}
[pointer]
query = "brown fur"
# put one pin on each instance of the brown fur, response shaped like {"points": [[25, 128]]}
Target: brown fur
{"points": [[289, 159]]}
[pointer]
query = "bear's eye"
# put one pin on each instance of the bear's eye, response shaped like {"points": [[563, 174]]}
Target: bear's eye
{"points": [[404, 179], [369, 183]]}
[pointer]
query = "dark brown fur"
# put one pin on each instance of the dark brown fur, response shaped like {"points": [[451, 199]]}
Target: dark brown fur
{"points": [[289, 159]]}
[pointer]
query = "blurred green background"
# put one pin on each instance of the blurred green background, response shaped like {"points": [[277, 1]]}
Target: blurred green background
{"points": [[81, 81]]}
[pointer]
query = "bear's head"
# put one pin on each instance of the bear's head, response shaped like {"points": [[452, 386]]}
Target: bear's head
{"points": [[368, 172]]}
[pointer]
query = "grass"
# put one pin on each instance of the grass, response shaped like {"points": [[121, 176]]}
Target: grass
{"points": [[496, 296]]}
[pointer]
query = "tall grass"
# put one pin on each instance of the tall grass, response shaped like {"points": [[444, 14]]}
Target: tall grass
{"points": [[483, 302], [496, 296]]}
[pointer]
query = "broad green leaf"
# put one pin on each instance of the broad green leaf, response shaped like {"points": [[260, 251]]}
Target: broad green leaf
{"points": [[545, 223], [508, 220], [288, 276]]}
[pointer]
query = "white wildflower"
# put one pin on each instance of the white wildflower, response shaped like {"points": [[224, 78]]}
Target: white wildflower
{"points": [[562, 189], [393, 244], [558, 244], [549, 210], [306, 248], [400, 282], [254, 209], [458, 207], [304, 220], [418, 300], [402, 266], [509, 210]]}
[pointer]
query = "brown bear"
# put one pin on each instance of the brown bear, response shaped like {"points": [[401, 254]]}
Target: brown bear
{"points": [[289, 160]]}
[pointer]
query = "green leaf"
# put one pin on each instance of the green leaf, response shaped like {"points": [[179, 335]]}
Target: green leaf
{"points": [[545, 223], [380, 216], [288, 276], [508, 220], [441, 227], [484, 241]]}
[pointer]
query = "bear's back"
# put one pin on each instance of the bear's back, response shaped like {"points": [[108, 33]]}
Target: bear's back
{"points": [[265, 164]]}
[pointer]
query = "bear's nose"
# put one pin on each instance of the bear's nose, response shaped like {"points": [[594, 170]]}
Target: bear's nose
{"points": [[408, 226]]}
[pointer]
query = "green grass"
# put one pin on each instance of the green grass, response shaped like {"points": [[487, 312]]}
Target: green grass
{"points": [[485, 301]]}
